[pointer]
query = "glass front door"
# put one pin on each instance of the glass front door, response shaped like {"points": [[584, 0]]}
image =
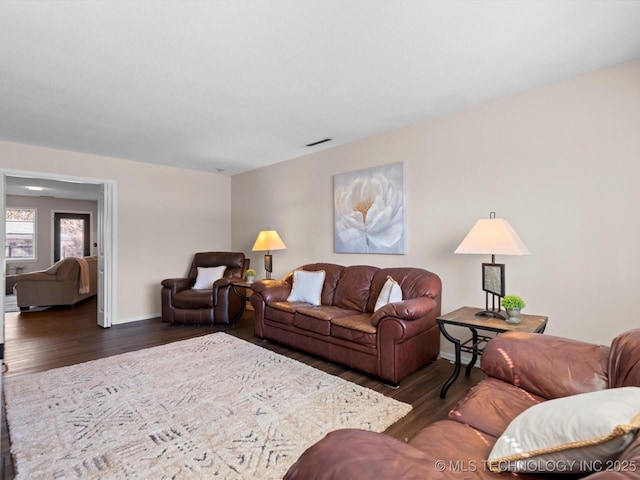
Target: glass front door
{"points": [[72, 232]]}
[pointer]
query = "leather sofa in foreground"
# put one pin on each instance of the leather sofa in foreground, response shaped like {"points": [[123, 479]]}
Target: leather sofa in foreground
{"points": [[549, 406], [390, 343]]}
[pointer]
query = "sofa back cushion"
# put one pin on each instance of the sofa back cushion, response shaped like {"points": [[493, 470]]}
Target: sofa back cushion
{"points": [[624, 360], [234, 261], [67, 269], [546, 365], [414, 282], [354, 288]]}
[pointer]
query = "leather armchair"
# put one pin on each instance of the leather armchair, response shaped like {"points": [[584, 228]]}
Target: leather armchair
{"points": [[221, 304]]}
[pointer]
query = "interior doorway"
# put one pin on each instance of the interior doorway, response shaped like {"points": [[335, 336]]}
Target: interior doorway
{"points": [[105, 191]]}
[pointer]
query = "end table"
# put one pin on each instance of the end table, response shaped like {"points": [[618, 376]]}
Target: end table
{"points": [[235, 286], [466, 317]]}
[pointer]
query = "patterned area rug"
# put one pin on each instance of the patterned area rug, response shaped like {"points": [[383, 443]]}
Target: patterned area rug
{"points": [[10, 304], [209, 407]]}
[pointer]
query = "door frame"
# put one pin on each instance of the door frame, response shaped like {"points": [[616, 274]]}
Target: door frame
{"points": [[107, 240]]}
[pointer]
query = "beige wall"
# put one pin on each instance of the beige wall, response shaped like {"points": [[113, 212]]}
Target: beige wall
{"points": [[561, 163], [164, 215], [45, 210]]}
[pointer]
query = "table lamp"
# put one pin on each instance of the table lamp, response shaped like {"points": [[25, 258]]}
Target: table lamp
{"points": [[493, 236], [268, 240]]}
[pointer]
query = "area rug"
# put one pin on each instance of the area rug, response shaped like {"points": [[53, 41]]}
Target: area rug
{"points": [[209, 407], [11, 304]]}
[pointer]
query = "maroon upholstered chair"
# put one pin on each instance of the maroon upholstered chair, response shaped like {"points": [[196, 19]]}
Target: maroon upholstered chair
{"points": [[181, 303]]}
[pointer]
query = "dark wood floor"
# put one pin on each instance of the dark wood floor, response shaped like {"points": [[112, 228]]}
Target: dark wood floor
{"points": [[60, 336]]}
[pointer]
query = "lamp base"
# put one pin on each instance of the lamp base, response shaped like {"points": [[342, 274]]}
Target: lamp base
{"points": [[495, 302], [268, 265], [491, 313]]}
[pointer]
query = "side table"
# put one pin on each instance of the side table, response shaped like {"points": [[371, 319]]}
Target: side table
{"points": [[235, 287], [10, 282], [466, 317]]}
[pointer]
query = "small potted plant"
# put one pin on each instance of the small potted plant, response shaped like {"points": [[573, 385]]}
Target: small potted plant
{"points": [[513, 304], [19, 269], [250, 275]]}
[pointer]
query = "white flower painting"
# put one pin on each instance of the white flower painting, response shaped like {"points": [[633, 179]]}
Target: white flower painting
{"points": [[369, 210]]}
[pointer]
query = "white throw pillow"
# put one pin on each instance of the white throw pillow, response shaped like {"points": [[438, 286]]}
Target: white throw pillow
{"points": [[208, 275], [391, 292], [307, 287], [579, 433]]}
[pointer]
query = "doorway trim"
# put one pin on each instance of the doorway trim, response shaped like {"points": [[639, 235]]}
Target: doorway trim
{"points": [[107, 239]]}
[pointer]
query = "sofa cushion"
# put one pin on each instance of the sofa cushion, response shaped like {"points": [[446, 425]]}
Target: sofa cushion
{"points": [[354, 287], [355, 328], [624, 363], [414, 283], [65, 269], [332, 276], [318, 319], [570, 433], [282, 312], [234, 261], [492, 404], [208, 275], [312, 324], [360, 322], [323, 312], [518, 357], [443, 437], [307, 287], [391, 292], [193, 299]]}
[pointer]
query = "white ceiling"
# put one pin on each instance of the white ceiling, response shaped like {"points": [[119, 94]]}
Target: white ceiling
{"points": [[18, 185], [235, 85]]}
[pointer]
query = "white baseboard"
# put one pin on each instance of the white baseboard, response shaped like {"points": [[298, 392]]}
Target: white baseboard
{"points": [[464, 358], [137, 319]]}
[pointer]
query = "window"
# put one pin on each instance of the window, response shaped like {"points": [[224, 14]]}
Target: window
{"points": [[20, 239]]}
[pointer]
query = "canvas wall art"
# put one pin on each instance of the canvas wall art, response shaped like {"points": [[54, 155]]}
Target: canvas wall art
{"points": [[369, 208]]}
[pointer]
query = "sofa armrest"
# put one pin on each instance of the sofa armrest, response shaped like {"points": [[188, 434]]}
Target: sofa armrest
{"points": [[224, 282], [410, 309], [35, 277], [361, 454], [272, 290], [549, 366], [177, 284]]}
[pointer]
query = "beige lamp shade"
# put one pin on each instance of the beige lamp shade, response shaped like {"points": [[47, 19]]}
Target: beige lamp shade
{"points": [[493, 236], [268, 240]]}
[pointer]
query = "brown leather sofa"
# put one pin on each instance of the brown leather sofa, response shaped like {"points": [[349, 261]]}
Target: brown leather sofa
{"points": [[57, 285], [220, 304], [390, 343], [523, 370]]}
